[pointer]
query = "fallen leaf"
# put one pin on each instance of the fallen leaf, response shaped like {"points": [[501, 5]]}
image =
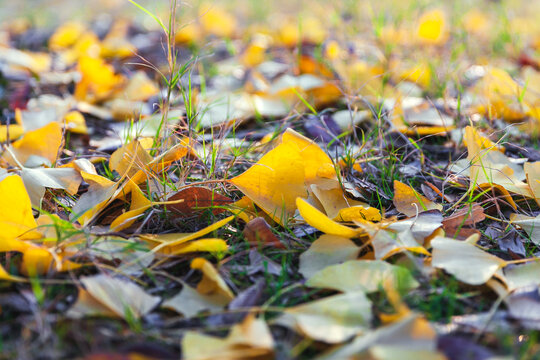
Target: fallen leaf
{"points": [[36, 147], [464, 260], [189, 302], [212, 282], [275, 181], [257, 231], [325, 251], [196, 199], [531, 225], [105, 295], [455, 223], [16, 219], [409, 202], [333, 319], [532, 171], [432, 28], [362, 275], [410, 338], [37, 179], [322, 222], [250, 339]]}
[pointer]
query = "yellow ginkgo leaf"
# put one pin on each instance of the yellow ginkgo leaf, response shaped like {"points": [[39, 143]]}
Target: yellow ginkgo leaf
{"points": [[322, 222], [212, 282], [345, 314], [327, 250], [75, 122], [215, 20], [358, 213], [16, 219], [490, 169], [499, 95], [139, 204], [332, 198], [4, 275], [432, 28], [129, 159], [139, 88], [532, 171], [362, 275], [250, 339], [160, 163], [98, 79], [38, 146], [188, 33], [39, 260], [110, 296], [13, 131], [275, 181], [99, 194], [409, 202], [316, 162], [201, 245], [66, 35], [464, 260], [172, 242], [420, 74]]}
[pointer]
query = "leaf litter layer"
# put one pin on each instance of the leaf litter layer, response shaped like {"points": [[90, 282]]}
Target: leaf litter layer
{"points": [[228, 180]]}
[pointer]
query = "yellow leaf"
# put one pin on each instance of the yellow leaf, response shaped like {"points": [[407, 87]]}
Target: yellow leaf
{"points": [[253, 55], [66, 35], [16, 219], [409, 202], [250, 339], [212, 282], [188, 34], [44, 143], [98, 79], [332, 198], [129, 159], [419, 74], [201, 245], [359, 213], [316, 162], [491, 169], [432, 28], [139, 204], [14, 131], [139, 87], [4, 275], [75, 122], [99, 194], [322, 222], [39, 260], [169, 243], [109, 296], [426, 130], [362, 275], [500, 95], [476, 22], [160, 163], [532, 171], [216, 21], [275, 181]]}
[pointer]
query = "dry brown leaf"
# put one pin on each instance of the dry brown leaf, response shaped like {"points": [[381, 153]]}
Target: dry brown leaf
{"points": [[257, 231], [196, 199]]}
